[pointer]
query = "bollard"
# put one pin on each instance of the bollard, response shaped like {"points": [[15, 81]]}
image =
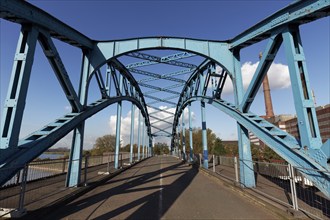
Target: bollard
{"points": [[236, 169], [200, 160]]}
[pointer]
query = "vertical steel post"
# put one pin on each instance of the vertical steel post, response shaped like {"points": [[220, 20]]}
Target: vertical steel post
{"points": [[236, 169], [118, 124], [17, 90], [213, 158], [244, 149], [143, 128], [74, 168], [23, 188], [204, 131], [190, 134], [139, 135], [293, 187], [86, 168], [303, 99], [183, 128], [132, 133]]}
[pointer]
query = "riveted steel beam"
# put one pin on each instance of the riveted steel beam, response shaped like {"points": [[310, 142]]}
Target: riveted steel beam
{"points": [[155, 75], [25, 13], [164, 76], [161, 119], [160, 89], [299, 12], [261, 71], [155, 59], [56, 63]]}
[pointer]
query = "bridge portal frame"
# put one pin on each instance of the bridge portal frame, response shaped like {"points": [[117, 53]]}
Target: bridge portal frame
{"points": [[285, 22]]}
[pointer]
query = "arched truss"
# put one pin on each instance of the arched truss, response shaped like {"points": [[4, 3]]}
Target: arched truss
{"points": [[16, 153], [280, 27]]}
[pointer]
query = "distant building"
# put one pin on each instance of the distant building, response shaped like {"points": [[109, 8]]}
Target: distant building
{"points": [[288, 123]]}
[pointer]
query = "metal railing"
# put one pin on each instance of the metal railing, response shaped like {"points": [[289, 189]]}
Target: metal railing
{"points": [[45, 179], [280, 182]]}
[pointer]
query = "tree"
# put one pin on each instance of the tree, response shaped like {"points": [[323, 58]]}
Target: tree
{"points": [[218, 148], [161, 148], [127, 148], [103, 144]]}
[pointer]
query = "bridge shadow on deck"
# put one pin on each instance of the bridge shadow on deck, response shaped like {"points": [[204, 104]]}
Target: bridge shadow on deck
{"points": [[148, 205]]}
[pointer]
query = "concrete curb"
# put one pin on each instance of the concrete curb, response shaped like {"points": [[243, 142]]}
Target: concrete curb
{"points": [[39, 213]]}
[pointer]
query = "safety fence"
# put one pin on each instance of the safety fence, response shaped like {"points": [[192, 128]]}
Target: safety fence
{"points": [[43, 181], [280, 182]]}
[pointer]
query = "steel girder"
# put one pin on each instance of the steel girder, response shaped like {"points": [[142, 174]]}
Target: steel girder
{"points": [[151, 59], [222, 53], [312, 158]]}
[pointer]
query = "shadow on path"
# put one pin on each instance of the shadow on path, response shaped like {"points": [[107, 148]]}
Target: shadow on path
{"points": [[149, 206]]}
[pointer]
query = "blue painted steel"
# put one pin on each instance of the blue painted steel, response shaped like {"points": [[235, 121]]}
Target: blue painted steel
{"points": [[143, 131], [59, 70], [261, 71], [298, 12], [20, 76], [118, 124], [25, 13], [168, 76], [303, 100], [247, 178], [151, 59], [74, 167], [190, 134], [132, 133], [281, 142], [310, 153], [139, 135], [204, 132], [183, 128]]}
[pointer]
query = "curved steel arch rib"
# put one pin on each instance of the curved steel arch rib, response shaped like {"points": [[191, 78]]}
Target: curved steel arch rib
{"points": [[39, 141], [284, 144]]}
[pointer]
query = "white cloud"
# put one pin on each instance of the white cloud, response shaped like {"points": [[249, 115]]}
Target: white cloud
{"points": [[278, 75], [125, 130]]}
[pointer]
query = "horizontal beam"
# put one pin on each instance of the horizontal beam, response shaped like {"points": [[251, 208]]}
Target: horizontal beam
{"points": [[159, 88], [155, 59], [163, 76], [298, 12], [23, 12], [155, 75]]}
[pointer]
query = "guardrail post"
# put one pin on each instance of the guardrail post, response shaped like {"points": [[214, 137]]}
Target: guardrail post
{"points": [[22, 190], [236, 169], [63, 165], [85, 173], [293, 187], [121, 160], [213, 163]]}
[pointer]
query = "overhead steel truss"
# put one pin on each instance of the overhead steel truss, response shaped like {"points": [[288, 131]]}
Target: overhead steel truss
{"points": [[204, 85]]}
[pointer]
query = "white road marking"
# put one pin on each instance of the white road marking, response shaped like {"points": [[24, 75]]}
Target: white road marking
{"points": [[160, 203]]}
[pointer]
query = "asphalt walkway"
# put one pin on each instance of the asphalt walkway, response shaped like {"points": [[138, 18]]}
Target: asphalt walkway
{"points": [[161, 188]]}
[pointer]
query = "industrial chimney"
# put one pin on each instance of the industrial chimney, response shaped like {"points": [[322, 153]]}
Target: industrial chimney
{"points": [[267, 96]]}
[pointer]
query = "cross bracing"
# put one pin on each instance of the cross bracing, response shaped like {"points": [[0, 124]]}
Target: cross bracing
{"points": [[194, 79]]}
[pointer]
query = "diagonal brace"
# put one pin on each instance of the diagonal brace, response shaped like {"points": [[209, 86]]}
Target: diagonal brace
{"points": [[261, 71]]}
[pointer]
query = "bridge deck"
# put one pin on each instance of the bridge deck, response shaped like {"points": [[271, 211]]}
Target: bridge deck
{"points": [[161, 187]]}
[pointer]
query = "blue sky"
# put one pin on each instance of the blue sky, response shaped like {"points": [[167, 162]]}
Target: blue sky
{"points": [[109, 20]]}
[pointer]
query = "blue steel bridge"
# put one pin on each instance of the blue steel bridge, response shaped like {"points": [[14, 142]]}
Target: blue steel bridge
{"points": [[207, 65]]}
